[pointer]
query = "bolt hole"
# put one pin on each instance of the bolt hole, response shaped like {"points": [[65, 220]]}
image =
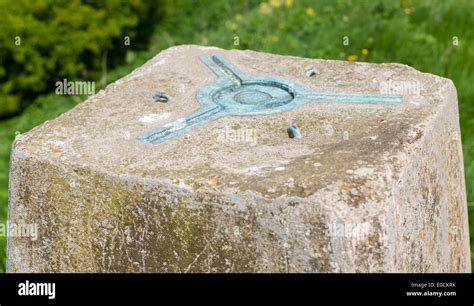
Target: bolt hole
{"points": [[161, 97]]}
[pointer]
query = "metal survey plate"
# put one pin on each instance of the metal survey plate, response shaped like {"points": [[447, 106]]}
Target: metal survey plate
{"points": [[238, 94]]}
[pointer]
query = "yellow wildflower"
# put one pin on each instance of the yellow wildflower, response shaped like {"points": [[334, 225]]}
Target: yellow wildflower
{"points": [[310, 11], [264, 8], [409, 10], [275, 3], [289, 3], [231, 25], [274, 38], [352, 58], [365, 51]]}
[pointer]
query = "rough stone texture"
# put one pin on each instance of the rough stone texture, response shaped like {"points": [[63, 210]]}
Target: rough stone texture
{"points": [[105, 202]]}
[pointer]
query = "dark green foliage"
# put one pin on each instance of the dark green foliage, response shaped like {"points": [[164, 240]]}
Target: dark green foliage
{"points": [[47, 40]]}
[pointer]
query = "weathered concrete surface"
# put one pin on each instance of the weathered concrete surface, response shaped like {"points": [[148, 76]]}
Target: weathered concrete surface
{"points": [[368, 188]]}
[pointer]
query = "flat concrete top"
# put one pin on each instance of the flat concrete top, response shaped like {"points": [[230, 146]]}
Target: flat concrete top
{"points": [[339, 140]]}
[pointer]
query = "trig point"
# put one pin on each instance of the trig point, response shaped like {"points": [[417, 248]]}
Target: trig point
{"points": [[207, 160]]}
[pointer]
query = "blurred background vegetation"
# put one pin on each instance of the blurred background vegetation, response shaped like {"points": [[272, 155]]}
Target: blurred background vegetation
{"points": [[84, 40]]}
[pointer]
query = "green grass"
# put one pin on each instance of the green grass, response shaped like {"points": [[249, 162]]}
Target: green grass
{"points": [[417, 33]]}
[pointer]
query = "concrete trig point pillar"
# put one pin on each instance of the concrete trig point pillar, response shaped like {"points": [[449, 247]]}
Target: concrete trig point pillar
{"points": [[209, 181]]}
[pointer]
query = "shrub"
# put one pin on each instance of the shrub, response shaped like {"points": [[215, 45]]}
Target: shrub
{"points": [[44, 41]]}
